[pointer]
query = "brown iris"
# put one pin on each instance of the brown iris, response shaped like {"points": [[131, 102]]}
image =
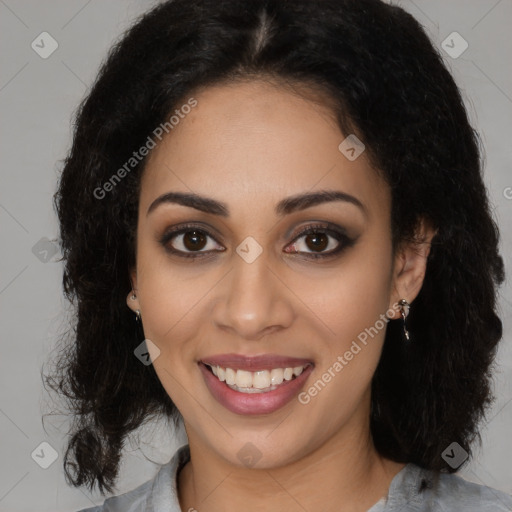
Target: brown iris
{"points": [[194, 240], [319, 241]]}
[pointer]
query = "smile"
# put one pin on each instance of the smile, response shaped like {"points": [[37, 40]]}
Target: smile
{"points": [[261, 381], [254, 385]]}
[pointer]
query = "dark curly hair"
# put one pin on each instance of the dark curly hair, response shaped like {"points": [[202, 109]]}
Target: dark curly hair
{"points": [[384, 81]]}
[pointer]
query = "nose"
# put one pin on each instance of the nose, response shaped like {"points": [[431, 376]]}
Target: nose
{"points": [[253, 301]]}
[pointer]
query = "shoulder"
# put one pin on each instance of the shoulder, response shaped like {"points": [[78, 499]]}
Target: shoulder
{"points": [[425, 490], [159, 493], [471, 496]]}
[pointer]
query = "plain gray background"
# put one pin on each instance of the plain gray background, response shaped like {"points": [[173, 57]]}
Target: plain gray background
{"points": [[38, 98]]}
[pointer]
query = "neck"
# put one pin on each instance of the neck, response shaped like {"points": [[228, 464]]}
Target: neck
{"points": [[345, 469]]}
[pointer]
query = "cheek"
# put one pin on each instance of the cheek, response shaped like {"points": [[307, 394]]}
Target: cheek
{"points": [[353, 307], [170, 298], [350, 297], [171, 318]]}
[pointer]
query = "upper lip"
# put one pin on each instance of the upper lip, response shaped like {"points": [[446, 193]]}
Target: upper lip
{"points": [[255, 363]]}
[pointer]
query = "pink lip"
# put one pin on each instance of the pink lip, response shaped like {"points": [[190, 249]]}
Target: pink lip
{"points": [[254, 363], [255, 403]]}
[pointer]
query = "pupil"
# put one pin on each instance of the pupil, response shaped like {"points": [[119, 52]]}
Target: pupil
{"points": [[319, 241], [192, 240]]}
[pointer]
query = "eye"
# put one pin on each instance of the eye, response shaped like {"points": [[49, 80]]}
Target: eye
{"points": [[322, 240], [188, 241]]}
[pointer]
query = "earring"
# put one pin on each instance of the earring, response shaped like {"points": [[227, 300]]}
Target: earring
{"points": [[404, 311], [137, 312]]}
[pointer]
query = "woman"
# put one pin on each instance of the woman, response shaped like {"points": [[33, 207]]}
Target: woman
{"points": [[275, 228]]}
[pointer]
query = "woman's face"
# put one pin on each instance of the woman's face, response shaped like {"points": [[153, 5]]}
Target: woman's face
{"points": [[255, 299]]}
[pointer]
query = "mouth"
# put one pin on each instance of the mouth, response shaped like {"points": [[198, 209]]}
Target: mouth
{"points": [[261, 381], [254, 385]]}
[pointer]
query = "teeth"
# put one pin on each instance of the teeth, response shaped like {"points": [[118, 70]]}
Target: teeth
{"points": [[298, 370], [261, 380], [243, 379], [230, 376], [254, 382], [276, 376], [253, 390]]}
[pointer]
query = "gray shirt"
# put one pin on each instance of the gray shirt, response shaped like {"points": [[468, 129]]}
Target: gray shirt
{"points": [[441, 493]]}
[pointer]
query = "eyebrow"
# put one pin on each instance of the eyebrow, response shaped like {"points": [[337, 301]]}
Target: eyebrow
{"points": [[284, 207]]}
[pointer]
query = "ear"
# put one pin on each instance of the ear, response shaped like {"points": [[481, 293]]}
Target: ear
{"points": [[133, 303], [410, 264]]}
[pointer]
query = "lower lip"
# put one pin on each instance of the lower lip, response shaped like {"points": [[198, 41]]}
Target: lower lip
{"points": [[254, 403]]}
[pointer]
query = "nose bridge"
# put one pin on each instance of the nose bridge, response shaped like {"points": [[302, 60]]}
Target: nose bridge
{"points": [[253, 299]]}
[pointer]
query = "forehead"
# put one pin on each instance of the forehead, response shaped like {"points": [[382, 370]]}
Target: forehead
{"points": [[250, 144]]}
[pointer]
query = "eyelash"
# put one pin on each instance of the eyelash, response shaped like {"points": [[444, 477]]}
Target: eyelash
{"points": [[320, 228]]}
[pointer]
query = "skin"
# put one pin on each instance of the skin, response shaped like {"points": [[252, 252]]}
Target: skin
{"points": [[250, 144]]}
